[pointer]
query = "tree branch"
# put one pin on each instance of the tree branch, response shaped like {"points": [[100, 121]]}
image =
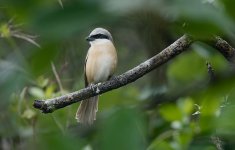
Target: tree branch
{"points": [[50, 105], [224, 48]]}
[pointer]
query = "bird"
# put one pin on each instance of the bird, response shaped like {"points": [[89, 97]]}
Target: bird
{"points": [[100, 64]]}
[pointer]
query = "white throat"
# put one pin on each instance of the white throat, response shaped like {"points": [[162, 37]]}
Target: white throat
{"points": [[99, 41]]}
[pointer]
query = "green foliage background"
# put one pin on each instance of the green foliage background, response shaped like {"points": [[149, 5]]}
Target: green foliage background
{"points": [[201, 117]]}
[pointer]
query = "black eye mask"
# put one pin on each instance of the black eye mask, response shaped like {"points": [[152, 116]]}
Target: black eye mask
{"points": [[99, 36]]}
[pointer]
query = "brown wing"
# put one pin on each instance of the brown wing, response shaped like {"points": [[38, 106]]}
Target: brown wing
{"points": [[85, 77]]}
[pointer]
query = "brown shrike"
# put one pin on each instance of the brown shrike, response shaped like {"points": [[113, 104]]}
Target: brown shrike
{"points": [[100, 63]]}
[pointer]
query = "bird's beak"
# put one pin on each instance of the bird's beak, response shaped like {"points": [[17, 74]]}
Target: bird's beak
{"points": [[89, 39]]}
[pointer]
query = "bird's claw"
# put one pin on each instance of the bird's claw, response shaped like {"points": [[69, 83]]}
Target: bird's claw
{"points": [[92, 87], [95, 88]]}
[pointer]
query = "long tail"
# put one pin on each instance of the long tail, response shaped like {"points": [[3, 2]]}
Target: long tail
{"points": [[86, 113]]}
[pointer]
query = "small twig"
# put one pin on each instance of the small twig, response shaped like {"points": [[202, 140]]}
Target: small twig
{"points": [[210, 71], [13, 30], [60, 126], [57, 78], [215, 139], [21, 99], [224, 48], [27, 38]]}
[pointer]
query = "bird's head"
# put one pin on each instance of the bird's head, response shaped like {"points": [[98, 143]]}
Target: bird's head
{"points": [[99, 34]]}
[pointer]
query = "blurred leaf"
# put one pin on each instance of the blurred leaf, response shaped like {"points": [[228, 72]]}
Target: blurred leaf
{"points": [[77, 16], [122, 6], [42, 82], [119, 97], [12, 78], [36, 92], [28, 114], [50, 90], [41, 58], [209, 109], [212, 55], [59, 142], [176, 125], [186, 105], [24, 9], [209, 20], [229, 7], [225, 124], [187, 68], [184, 138], [210, 106], [207, 124], [61, 3], [170, 112], [123, 130], [4, 31], [191, 66], [160, 145]]}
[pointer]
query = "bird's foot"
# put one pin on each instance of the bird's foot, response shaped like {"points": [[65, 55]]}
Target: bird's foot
{"points": [[97, 89], [92, 87]]}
